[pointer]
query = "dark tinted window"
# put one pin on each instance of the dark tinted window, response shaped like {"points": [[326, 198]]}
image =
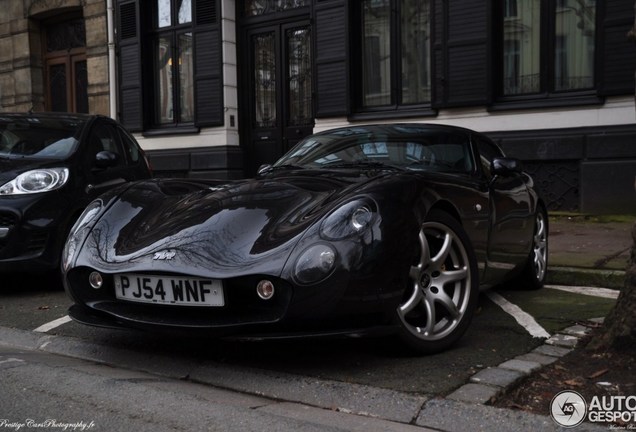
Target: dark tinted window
{"points": [[487, 152], [105, 137], [35, 137]]}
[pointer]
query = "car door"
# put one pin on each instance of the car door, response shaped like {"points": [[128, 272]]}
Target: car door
{"points": [[511, 222]]}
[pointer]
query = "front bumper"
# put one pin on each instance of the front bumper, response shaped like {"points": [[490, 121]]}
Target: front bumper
{"points": [[242, 307], [31, 232]]}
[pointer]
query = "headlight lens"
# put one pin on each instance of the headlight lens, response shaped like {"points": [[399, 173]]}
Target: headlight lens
{"points": [[35, 181], [79, 232], [315, 263], [348, 220]]}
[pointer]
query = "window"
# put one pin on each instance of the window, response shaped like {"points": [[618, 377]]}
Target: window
{"points": [[529, 65], [173, 63], [488, 151], [395, 55]]}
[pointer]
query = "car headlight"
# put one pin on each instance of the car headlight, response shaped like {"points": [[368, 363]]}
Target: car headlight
{"points": [[35, 181], [79, 232], [349, 219]]}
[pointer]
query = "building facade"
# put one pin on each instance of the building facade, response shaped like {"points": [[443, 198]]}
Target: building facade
{"points": [[219, 87]]}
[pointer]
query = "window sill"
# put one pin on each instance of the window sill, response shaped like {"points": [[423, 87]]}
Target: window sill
{"points": [[187, 130], [546, 102], [392, 114]]}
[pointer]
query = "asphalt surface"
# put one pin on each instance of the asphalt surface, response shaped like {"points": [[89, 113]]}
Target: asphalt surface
{"points": [[583, 252], [589, 251]]}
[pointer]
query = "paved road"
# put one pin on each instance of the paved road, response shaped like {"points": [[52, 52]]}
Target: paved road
{"points": [[42, 391], [368, 377]]}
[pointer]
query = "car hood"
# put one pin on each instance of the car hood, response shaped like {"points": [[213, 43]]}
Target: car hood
{"points": [[211, 228], [12, 167]]}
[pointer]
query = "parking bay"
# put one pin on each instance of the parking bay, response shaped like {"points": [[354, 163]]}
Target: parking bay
{"points": [[494, 337]]}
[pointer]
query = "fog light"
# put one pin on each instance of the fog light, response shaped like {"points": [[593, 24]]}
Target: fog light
{"points": [[315, 263], [265, 289], [96, 280]]}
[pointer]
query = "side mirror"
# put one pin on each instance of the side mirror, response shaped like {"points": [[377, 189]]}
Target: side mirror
{"points": [[505, 166], [263, 168], [106, 159]]}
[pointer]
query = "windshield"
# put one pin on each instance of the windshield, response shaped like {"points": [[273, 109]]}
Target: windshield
{"points": [[417, 149], [35, 137]]}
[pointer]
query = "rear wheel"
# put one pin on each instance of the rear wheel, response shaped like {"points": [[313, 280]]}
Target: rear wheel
{"points": [[533, 274], [440, 299]]}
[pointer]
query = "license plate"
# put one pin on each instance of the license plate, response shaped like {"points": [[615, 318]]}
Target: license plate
{"points": [[169, 290]]}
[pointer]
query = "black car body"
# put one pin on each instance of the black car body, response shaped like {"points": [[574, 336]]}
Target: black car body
{"points": [[355, 230], [51, 166]]}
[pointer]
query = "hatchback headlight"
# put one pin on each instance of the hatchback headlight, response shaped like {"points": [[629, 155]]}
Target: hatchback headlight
{"points": [[35, 181], [349, 219]]}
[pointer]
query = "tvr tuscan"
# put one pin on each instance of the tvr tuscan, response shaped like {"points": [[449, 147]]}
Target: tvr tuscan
{"points": [[365, 229]]}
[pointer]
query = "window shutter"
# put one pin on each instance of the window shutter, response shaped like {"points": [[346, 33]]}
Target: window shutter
{"points": [[617, 55], [208, 65], [130, 81], [461, 53], [331, 58]]}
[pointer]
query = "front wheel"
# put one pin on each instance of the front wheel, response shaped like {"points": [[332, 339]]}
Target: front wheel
{"points": [[442, 291]]}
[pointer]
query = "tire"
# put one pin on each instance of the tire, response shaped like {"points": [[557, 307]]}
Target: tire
{"points": [[443, 288], [532, 277]]}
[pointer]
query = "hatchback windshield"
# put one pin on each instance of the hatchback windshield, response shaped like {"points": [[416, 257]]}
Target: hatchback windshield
{"points": [[35, 137], [407, 148]]}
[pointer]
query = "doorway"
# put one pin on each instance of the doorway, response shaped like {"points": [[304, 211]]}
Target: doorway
{"points": [[65, 68], [278, 100]]}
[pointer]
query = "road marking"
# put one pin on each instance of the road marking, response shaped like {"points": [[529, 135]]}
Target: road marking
{"points": [[523, 318], [590, 291], [53, 324], [11, 360]]}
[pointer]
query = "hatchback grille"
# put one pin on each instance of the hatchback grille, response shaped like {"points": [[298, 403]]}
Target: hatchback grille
{"points": [[37, 241], [8, 219]]}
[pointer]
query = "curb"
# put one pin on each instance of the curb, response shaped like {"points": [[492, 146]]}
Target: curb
{"points": [[572, 276], [489, 383]]}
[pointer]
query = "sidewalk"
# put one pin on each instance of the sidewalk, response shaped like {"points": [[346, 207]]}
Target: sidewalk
{"points": [[588, 250]]}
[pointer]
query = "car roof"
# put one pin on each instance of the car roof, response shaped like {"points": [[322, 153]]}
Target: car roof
{"points": [[395, 129]]}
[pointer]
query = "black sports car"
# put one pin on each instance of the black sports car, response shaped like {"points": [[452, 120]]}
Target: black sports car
{"points": [[52, 165], [356, 230]]}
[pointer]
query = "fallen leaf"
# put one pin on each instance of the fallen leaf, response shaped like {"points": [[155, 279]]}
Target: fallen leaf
{"points": [[576, 382], [598, 373]]}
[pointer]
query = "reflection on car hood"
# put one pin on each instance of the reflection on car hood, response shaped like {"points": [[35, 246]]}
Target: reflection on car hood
{"points": [[205, 227], [11, 167]]}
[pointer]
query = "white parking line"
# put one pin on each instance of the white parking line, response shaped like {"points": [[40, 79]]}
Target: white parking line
{"points": [[53, 324], [523, 318], [591, 291]]}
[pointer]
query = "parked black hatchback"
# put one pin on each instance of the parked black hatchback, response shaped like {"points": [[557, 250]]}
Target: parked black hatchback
{"points": [[51, 166]]}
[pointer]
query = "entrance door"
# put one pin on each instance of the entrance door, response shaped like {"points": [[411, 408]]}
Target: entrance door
{"points": [[280, 91], [65, 66]]}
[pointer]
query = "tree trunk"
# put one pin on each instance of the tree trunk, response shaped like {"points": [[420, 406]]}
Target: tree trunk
{"points": [[619, 329]]}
